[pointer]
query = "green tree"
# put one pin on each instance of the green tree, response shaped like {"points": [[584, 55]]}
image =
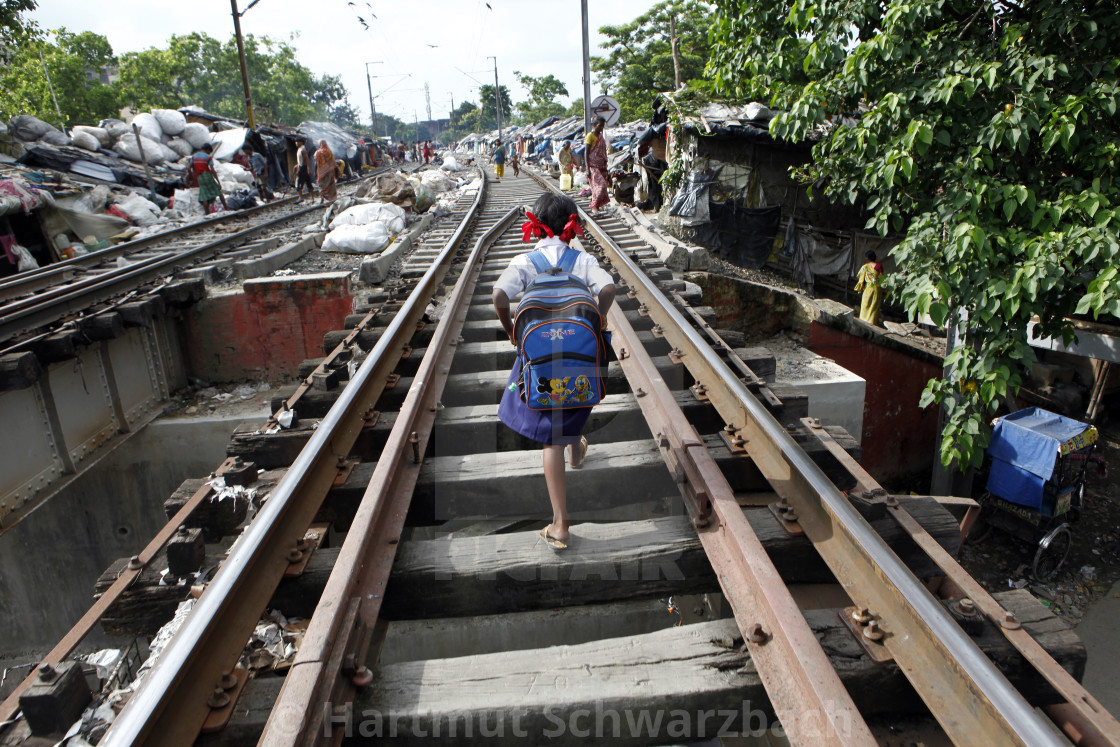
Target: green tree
{"points": [[639, 60], [543, 92], [462, 118], [487, 115], [200, 70], [987, 133], [74, 63]]}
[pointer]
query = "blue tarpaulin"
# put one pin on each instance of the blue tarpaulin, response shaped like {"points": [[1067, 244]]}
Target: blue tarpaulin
{"points": [[1024, 449]]}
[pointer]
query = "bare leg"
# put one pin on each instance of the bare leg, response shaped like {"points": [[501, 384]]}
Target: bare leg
{"points": [[557, 490]]}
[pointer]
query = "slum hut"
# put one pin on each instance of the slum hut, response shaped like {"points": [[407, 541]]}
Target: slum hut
{"points": [[738, 198]]}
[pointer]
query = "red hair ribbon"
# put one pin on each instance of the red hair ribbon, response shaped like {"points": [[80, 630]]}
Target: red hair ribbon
{"points": [[533, 227], [571, 229]]}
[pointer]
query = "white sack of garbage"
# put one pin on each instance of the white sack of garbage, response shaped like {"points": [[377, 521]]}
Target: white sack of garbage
{"points": [[85, 141], [170, 121], [232, 172], [351, 239], [180, 146], [143, 212], [148, 125], [186, 202], [154, 151], [451, 164], [437, 181], [393, 216], [99, 133], [196, 134]]}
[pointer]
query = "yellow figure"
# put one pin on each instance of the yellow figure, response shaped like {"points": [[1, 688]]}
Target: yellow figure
{"points": [[869, 281], [582, 389]]}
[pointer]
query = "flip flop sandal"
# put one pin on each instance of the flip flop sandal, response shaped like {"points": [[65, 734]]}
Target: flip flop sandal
{"points": [[551, 541], [572, 461]]}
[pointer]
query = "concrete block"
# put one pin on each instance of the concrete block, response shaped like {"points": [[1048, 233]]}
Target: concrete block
{"points": [[269, 263], [375, 269], [836, 395], [673, 253]]}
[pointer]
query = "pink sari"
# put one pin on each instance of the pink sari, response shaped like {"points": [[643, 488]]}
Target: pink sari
{"points": [[597, 172]]}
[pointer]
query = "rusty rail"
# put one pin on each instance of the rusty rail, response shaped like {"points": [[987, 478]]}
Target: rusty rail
{"points": [[329, 664], [171, 705], [971, 699]]}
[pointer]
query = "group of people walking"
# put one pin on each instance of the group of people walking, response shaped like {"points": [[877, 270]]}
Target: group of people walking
{"points": [[597, 148]]}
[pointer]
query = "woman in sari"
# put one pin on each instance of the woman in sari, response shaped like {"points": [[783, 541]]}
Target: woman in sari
{"points": [[597, 148], [325, 172]]}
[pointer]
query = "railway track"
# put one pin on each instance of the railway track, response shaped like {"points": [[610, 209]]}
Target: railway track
{"points": [[702, 480], [42, 298]]}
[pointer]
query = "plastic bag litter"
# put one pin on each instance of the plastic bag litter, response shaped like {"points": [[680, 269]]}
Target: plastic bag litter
{"points": [[24, 260], [170, 121], [196, 134], [437, 181], [149, 126], [473, 186], [360, 215], [93, 201], [98, 133], [580, 179], [86, 141], [142, 212], [368, 239], [424, 196], [180, 146], [186, 202], [450, 164]]}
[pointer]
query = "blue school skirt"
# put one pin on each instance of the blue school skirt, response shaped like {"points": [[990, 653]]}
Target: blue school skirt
{"points": [[559, 427]]}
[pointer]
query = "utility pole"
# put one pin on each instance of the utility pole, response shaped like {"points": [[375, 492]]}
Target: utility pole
{"points": [[676, 57], [241, 57], [586, 72], [372, 108], [498, 95]]}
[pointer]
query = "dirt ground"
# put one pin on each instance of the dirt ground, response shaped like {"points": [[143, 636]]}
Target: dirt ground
{"points": [[1000, 561]]}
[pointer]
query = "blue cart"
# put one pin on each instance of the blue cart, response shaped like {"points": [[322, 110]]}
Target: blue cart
{"points": [[1037, 462]]}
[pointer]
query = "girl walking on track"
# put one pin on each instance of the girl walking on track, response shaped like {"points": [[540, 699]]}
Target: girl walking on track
{"points": [[556, 222], [597, 148]]}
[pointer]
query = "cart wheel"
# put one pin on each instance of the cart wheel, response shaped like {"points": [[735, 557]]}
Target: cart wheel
{"points": [[1052, 552]]}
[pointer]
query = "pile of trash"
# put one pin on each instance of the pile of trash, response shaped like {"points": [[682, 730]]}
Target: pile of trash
{"points": [[165, 136], [366, 228]]}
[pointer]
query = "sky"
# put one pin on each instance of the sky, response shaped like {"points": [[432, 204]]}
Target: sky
{"points": [[535, 37]]}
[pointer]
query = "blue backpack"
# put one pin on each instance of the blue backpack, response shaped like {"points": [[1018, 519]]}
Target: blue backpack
{"points": [[559, 336]]}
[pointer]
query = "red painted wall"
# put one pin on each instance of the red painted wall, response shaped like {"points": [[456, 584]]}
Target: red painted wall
{"points": [[265, 331], [898, 436]]}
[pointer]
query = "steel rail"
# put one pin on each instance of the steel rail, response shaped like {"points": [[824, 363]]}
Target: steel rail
{"points": [[804, 688], [37, 311], [171, 705], [968, 695], [347, 613], [54, 274], [1105, 729]]}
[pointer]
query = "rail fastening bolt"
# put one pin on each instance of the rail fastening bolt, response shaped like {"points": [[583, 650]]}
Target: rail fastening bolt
{"points": [[229, 681], [47, 673], [218, 699], [967, 606], [872, 632], [861, 616], [1009, 621], [757, 634]]}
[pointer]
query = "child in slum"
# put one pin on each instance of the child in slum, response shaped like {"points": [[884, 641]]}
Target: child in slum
{"points": [[515, 161], [209, 188], [303, 170], [554, 219], [869, 281]]}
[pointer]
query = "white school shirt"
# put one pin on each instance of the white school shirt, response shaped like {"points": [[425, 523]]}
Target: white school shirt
{"points": [[521, 271]]}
